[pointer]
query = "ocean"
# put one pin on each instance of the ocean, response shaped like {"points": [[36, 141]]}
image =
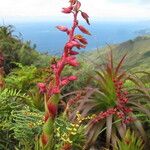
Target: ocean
{"points": [[48, 39]]}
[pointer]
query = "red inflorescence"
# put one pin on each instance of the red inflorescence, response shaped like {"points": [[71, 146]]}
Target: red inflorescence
{"points": [[121, 110], [53, 88], [68, 58]]}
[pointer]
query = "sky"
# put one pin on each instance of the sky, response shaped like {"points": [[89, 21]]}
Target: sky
{"points": [[97, 9]]}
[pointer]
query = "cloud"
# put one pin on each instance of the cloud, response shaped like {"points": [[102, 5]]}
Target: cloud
{"points": [[97, 9], [130, 1], [144, 1]]}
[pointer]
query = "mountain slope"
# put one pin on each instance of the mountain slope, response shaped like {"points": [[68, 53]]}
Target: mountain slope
{"points": [[137, 50]]}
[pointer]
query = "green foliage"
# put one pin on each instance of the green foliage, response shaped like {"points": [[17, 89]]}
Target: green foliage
{"points": [[14, 50], [24, 77], [19, 124], [137, 50], [34, 57], [129, 142], [27, 126]]}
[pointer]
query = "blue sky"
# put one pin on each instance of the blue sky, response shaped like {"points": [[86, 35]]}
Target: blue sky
{"points": [[97, 9]]}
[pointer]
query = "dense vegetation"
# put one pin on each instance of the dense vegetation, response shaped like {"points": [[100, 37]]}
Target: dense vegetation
{"points": [[106, 108]]}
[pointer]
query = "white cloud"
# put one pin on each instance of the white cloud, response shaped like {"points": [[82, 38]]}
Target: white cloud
{"points": [[97, 9]]}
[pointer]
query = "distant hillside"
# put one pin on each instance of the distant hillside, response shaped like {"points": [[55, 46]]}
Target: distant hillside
{"points": [[138, 53], [13, 49]]}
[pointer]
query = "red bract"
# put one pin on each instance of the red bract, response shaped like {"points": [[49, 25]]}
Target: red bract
{"points": [[55, 90], [77, 6], [66, 80], [86, 17], [71, 52], [72, 61], [72, 78], [83, 41], [44, 139], [72, 44], [52, 108], [73, 2], [67, 10], [46, 116], [42, 87], [62, 28], [84, 30]]}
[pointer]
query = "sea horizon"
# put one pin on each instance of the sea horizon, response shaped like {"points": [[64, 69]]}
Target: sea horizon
{"points": [[48, 39]]}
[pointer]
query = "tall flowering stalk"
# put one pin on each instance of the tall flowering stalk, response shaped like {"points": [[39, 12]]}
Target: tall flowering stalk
{"points": [[52, 89], [116, 77]]}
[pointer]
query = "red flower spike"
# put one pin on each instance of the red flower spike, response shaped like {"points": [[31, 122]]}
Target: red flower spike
{"points": [[52, 108], [67, 10], [62, 28], [67, 58], [44, 139], [84, 30]]}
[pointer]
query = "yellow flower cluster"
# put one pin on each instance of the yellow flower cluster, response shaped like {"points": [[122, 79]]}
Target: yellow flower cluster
{"points": [[38, 123], [64, 137], [32, 114], [80, 118], [72, 130]]}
